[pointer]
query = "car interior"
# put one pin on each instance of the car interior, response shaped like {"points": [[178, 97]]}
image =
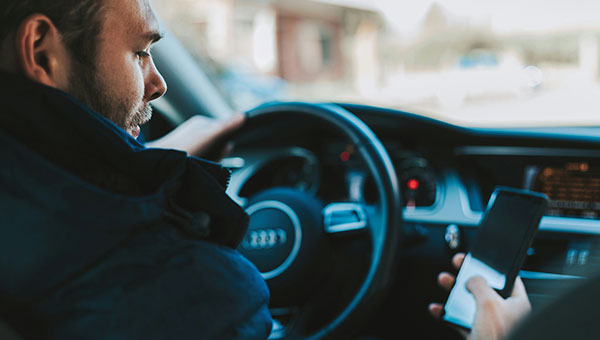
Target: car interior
{"points": [[381, 199], [356, 207]]}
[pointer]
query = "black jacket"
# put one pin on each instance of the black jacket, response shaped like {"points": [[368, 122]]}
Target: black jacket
{"points": [[101, 238]]}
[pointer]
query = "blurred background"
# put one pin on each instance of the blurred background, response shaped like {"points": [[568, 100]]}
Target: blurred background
{"points": [[474, 63]]}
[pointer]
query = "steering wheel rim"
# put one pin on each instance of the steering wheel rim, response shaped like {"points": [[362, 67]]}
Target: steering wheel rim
{"points": [[385, 237]]}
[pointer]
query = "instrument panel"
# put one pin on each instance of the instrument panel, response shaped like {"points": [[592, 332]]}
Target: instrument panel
{"points": [[336, 172], [416, 176], [417, 181]]}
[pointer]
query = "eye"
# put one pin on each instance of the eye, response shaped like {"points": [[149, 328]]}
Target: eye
{"points": [[142, 54]]}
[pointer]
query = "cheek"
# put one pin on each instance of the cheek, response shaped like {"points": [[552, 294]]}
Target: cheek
{"points": [[139, 82], [123, 77], [132, 80]]}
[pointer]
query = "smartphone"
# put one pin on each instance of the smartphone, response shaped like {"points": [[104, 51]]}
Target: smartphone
{"points": [[506, 232]]}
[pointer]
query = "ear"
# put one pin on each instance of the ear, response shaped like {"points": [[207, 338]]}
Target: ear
{"points": [[41, 52]]}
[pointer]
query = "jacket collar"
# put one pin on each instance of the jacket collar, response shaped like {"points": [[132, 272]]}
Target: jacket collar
{"points": [[68, 134]]}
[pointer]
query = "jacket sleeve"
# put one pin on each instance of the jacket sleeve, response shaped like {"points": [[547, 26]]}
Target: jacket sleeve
{"points": [[7, 333], [161, 286]]}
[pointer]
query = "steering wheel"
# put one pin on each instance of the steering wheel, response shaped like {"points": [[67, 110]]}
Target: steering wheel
{"points": [[291, 232]]}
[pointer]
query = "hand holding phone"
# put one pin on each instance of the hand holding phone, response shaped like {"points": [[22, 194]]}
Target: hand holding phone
{"points": [[496, 316], [505, 233]]}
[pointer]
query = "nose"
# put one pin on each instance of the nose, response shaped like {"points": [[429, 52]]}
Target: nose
{"points": [[155, 85]]}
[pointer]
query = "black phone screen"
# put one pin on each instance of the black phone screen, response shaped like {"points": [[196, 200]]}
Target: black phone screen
{"points": [[505, 229]]}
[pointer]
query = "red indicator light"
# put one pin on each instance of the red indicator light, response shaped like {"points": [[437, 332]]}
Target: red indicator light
{"points": [[345, 156], [413, 184]]}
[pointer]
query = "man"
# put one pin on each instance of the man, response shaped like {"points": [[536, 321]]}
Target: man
{"points": [[102, 238]]}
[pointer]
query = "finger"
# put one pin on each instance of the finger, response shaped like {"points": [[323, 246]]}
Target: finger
{"points": [[227, 149], [213, 128], [458, 259], [215, 145], [234, 122], [465, 334], [518, 288], [446, 280], [519, 300], [223, 128], [480, 289], [436, 310]]}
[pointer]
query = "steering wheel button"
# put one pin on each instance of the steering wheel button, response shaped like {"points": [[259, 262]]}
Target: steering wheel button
{"points": [[342, 217]]}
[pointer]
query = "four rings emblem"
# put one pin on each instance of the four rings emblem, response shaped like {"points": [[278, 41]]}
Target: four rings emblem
{"points": [[264, 238]]}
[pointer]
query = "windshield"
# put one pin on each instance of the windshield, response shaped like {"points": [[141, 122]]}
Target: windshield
{"points": [[473, 63]]}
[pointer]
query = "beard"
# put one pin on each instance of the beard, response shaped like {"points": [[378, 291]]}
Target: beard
{"points": [[87, 85]]}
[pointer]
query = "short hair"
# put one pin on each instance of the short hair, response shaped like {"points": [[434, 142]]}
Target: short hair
{"points": [[78, 21]]}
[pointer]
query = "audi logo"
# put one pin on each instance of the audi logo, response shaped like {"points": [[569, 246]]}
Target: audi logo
{"points": [[264, 238]]}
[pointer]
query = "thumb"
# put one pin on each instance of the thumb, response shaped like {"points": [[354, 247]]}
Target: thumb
{"points": [[519, 288], [480, 289]]}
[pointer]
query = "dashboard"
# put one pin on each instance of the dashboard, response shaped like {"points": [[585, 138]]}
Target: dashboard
{"points": [[446, 175]]}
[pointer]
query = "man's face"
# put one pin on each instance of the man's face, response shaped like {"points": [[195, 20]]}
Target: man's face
{"points": [[124, 79]]}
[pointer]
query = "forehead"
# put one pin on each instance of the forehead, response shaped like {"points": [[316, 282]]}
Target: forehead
{"points": [[133, 17]]}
